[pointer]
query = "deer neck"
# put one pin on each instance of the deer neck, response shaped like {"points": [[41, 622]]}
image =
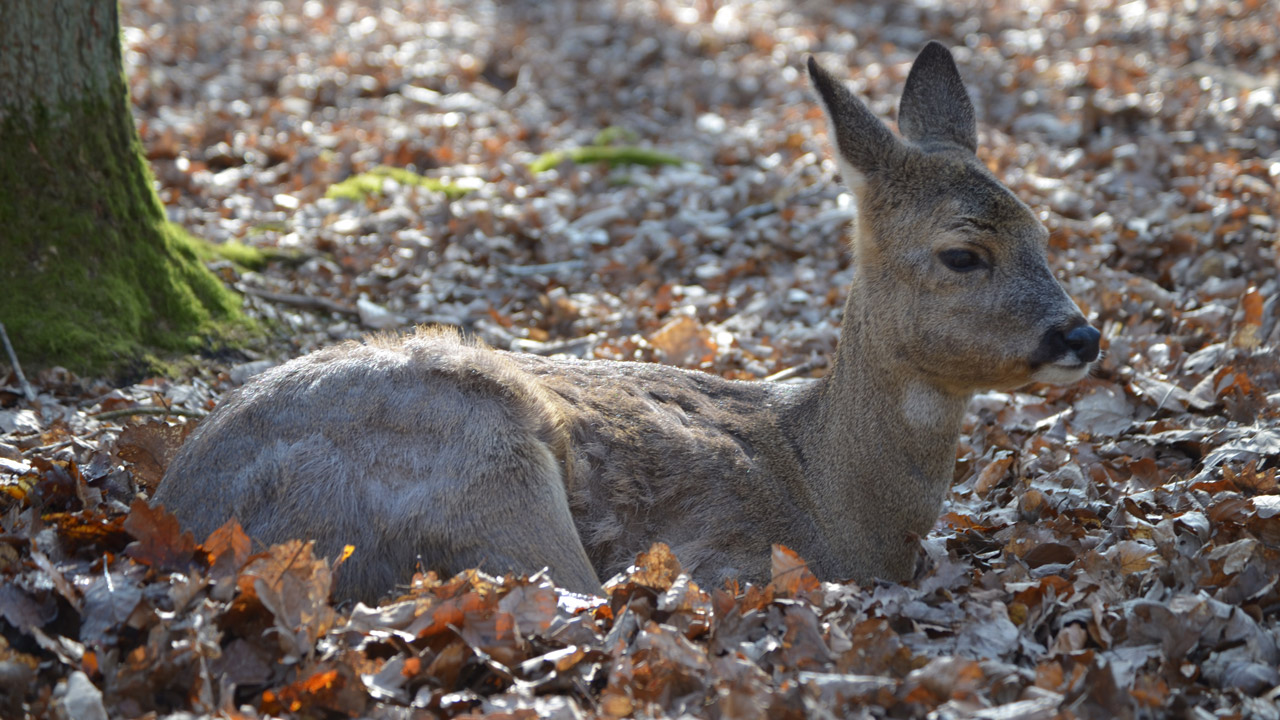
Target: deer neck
{"points": [[878, 441]]}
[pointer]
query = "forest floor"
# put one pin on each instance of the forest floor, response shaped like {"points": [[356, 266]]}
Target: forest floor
{"points": [[1109, 549]]}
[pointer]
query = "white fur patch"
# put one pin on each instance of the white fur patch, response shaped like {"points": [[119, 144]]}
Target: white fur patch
{"points": [[1061, 375], [853, 179]]}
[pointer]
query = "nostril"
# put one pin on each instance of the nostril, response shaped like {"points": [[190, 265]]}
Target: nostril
{"points": [[1084, 341]]}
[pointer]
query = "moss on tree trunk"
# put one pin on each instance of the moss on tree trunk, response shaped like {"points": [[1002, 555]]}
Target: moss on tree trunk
{"points": [[92, 275]]}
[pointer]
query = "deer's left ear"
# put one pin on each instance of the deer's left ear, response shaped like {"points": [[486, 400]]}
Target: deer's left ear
{"points": [[935, 107]]}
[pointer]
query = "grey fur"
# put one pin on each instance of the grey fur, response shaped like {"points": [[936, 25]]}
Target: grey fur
{"points": [[430, 446]]}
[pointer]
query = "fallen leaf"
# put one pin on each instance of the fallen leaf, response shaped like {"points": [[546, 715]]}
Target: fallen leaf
{"points": [[656, 568], [1102, 413], [108, 604], [1131, 556], [228, 548], [685, 342], [158, 538], [993, 473], [148, 447], [294, 585], [791, 574]]}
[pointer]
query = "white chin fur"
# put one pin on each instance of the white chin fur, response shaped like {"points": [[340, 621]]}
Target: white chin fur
{"points": [[1061, 374]]}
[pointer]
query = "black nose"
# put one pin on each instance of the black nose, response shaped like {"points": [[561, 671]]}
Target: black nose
{"points": [[1084, 341]]}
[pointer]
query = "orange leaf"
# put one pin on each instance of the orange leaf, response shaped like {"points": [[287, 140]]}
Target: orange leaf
{"points": [[791, 574], [656, 568], [347, 551], [684, 341], [228, 545], [159, 540], [1245, 335], [320, 681], [993, 473], [412, 666]]}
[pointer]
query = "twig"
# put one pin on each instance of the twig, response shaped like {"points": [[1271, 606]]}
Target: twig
{"points": [[62, 443], [553, 348], [800, 369], [800, 197], [126, 412], [27, 390], [303, 301], [544, 268]]}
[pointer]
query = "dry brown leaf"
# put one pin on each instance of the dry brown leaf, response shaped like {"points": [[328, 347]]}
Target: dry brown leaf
{"points": [[685, 342], [941, 680], [1245, 334], [294, 585], [148, 447], [228, 548], [993, 473], [1049, 554], [656, 568], [791, 574], [1131, 556], [158, 538]]}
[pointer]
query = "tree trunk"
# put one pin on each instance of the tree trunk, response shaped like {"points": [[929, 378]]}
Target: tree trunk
{"points": [[92, 275]]}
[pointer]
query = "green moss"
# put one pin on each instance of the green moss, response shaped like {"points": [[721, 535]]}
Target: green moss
{"points": [[612, 154], [605, 148], [361, 186], [270, 226], [96, 279], [246, 256]]}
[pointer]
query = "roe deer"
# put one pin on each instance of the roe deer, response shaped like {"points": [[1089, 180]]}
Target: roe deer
{"points": [[432, 447]]}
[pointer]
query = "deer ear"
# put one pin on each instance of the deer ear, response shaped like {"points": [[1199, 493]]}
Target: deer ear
{"points": [[863, 143], [935, 106]]}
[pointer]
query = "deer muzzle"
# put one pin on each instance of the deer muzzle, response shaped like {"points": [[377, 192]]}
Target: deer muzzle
{"points": [[1066, 352]]}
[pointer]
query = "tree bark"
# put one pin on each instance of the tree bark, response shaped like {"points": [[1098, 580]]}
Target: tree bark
{"points": [[93, 276]]}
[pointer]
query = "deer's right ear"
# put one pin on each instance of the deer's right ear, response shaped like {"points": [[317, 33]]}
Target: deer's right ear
{"points": [[863, 143], [935, 107]]}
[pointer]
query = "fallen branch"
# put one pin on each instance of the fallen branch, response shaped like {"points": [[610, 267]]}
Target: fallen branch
{"points": [[54, 447], [568, 347], [798, 370], [302, 301], [148, 410], [802, 197], [544, 268]]}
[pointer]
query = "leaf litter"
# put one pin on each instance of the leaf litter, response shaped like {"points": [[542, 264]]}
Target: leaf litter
{"points": [[1109, 549]]}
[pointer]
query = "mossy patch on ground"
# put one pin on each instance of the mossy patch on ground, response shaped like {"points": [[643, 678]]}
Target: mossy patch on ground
{"points": [[605, 148], [360, 186]]}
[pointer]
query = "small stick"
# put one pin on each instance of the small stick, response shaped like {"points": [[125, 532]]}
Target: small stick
{"points": [[17, 369], [126, 412], [544, 268], [61, 444], [303, 301], [560, 346], [800, 369], [800, 197]]}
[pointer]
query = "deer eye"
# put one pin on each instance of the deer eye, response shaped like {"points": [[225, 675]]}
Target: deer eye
{"points": [[962, 260]]}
